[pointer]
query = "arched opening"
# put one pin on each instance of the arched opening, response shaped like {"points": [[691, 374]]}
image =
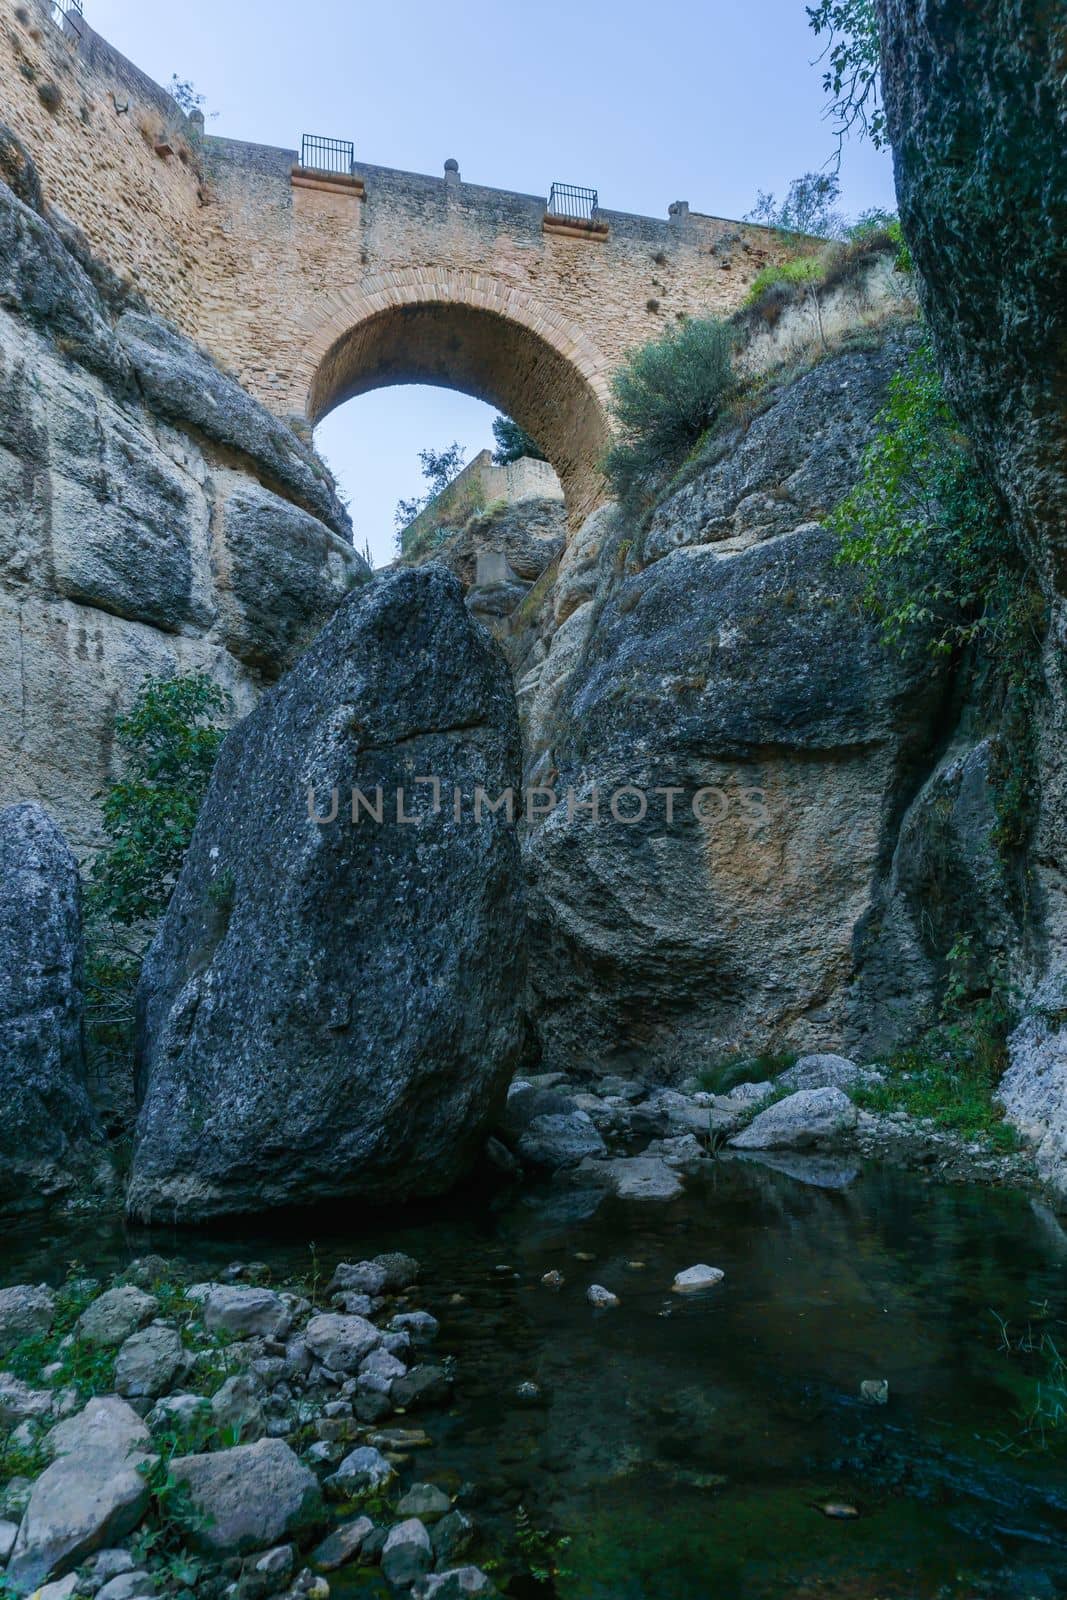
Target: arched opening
{"points": [[528, 364]]}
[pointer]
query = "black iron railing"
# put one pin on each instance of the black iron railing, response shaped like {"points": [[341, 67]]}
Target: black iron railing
{"points": [[68, 13], [327, 155], [570, 201]]}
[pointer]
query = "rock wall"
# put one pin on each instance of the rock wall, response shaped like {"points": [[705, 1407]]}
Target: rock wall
{"points": [[719, 647], [153, 517], [976, 102]]}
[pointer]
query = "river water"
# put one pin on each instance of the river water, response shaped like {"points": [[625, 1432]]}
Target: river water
{"points": [[690, 1447]]}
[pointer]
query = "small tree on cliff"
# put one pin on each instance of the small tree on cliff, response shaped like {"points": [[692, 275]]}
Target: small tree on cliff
{"points": [[513, 443]]}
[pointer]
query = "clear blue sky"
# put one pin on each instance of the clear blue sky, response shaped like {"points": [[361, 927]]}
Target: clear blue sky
{"points": [[699, 100]]}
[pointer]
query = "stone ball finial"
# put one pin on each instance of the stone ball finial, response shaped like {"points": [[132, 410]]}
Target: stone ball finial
{"points": [[451, 165]]}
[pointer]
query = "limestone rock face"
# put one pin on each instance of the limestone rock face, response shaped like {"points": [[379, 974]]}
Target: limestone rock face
{"points": [[333, 1008], [47, 1114], [153, 518], [732, 658], [91, 1496]]}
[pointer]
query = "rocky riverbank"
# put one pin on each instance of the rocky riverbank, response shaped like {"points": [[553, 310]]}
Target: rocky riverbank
{"points": [[229, 1438]]}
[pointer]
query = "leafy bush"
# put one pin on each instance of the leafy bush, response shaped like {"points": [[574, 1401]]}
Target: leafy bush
{"points": [[809, 209], [951, 1075], [665, 396], [513, 442], [439, 467], [800, 270], [169, 741]]}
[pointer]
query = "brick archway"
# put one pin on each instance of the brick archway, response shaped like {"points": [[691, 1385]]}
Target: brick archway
{"points": [[462, 330]]}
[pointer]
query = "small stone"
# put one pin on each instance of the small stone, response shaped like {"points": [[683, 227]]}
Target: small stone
{"points": [[553, 1280], [382, 1365], [360, 1277], [108, 1564], [875, 1391], [117, 1314], [696, 1278], [26, 1312], [341, 1342], [422, 1386], [600, 1297], [452, 1537], [420, 1325], [460, 1583], [425, 1501], [126, 1586], [277, 1563], [238, 1409], [148, 1363], [365, 1468], [407, 1553], [839, 1510], [63, 1589], [19, 1402], [245, 1311], [342, 1545], [584, 1255]]}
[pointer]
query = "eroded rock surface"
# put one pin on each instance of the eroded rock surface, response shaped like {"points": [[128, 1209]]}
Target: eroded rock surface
{"points": [[334, 1008]]}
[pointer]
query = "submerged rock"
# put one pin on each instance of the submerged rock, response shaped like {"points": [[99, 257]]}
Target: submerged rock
{"points": [[334, 1008], [47, 1114], [693, 1279]]}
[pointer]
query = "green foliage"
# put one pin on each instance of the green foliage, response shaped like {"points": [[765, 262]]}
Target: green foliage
{"points": [[162, 1545], [1038, 1376], [923, 525], [665, 396], [170, 741], [851, 79], [725, 1074], [81, 1365], [185, 92], [513, 442], [439, 467], [540, 1549], [800, 270], [952, 1074], [808, 210]]}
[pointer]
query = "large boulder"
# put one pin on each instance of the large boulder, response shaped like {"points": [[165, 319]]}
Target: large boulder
{"points": [[810, 1117], [759, 743], [250, 1497], [47, 1113], [91, 1496], [334, 1007]]}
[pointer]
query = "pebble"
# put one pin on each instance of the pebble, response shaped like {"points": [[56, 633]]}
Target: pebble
{"points": [[875, 1391], [839, 1510], [696, 1278], [553, 1280], [600, 1297]]}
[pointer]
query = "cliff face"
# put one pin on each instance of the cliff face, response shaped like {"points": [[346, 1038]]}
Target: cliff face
{"points": [[154, 517], [722, 649], [976, 100]]}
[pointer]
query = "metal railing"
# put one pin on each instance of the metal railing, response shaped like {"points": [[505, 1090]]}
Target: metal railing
{"points": [[68, 13], [574, 203], [327, 155]]}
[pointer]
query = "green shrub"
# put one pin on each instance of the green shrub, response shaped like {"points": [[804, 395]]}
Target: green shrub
{"points": [[800, 270], [513, 443], [169, 741], [665, 396]]}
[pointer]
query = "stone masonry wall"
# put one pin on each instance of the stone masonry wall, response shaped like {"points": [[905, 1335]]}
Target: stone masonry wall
{"points": [[311, 295]]}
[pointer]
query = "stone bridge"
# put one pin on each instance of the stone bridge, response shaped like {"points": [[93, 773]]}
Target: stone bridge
{"points": [[314, 287]]}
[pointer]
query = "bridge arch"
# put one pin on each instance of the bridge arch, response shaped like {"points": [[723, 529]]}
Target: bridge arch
{"points": [[467, 331]]}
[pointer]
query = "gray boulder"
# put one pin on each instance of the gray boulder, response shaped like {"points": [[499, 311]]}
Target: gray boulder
{"points": [[47, 1114], [243, 1311], [459, 1583], [91, 1496], [237, 1409], [559, 1140], [149, 1363], [363, 1468], [342, 1545], [270, 1072], [115, 1314], [250, 1497], [824, 1072], [642, 1178], [809, 1117], [407, 1553], [341, 1342], [26, 1310]]}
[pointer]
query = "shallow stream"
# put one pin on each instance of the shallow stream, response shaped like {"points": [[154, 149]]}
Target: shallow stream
{"points": [[689, 1447]]}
